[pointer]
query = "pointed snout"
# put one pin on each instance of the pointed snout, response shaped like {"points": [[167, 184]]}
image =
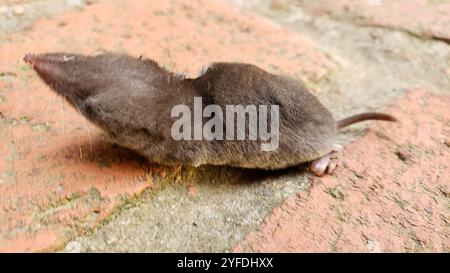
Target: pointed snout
{"points": [[55, 69], [67, 74], [29, 58], [53, 58], [48, 66]]}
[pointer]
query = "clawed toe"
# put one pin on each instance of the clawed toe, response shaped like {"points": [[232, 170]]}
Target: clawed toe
{"points": [[326, 164], [319, 166]]}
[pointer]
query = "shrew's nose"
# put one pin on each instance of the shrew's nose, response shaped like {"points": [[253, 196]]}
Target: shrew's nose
{"points": [[29, 58], [53, 68], [34, 59]]}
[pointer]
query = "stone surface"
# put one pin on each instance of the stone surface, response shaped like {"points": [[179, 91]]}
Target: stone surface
{"points": [[63, 188], [421, 17]]}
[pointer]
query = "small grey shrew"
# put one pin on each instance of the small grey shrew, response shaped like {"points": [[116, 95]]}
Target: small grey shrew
{"points": [[131, 100]]}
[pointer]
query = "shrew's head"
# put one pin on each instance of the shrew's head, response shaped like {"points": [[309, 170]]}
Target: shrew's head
{"points": [[78, 77]]}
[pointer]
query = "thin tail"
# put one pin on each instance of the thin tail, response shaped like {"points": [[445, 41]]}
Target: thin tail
{"points": [[363, 117]]}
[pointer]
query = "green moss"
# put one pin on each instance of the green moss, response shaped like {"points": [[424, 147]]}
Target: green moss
{"points": [[41, 127], [335, 193]]}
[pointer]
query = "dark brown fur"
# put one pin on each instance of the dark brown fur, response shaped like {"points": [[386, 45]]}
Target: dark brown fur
{"points": [[131, 100]]}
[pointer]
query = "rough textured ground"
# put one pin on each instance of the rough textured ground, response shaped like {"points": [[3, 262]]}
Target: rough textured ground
{"points": [[58, 178], [424, 18], [63, 188], [398, 201], [17, 15]]}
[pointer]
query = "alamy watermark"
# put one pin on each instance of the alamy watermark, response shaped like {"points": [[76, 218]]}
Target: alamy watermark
{"points": [[236, 117]]}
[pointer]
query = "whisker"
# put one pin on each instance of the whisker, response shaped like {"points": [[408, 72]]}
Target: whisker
{"points": [[50, 100], [86, 126], [62, 115], [89, 134]]}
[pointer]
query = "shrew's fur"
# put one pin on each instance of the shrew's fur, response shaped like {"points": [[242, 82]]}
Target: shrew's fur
{"points": [[131, 100]]}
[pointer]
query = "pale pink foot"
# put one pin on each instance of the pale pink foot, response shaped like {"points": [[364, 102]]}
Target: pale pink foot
{"points": [[326, 164]]}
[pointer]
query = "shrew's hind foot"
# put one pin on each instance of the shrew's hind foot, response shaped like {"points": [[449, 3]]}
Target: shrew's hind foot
{"points": [[326, 164]]}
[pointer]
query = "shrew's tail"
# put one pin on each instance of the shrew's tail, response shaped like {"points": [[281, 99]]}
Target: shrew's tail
{"points": [[363, 117]]}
